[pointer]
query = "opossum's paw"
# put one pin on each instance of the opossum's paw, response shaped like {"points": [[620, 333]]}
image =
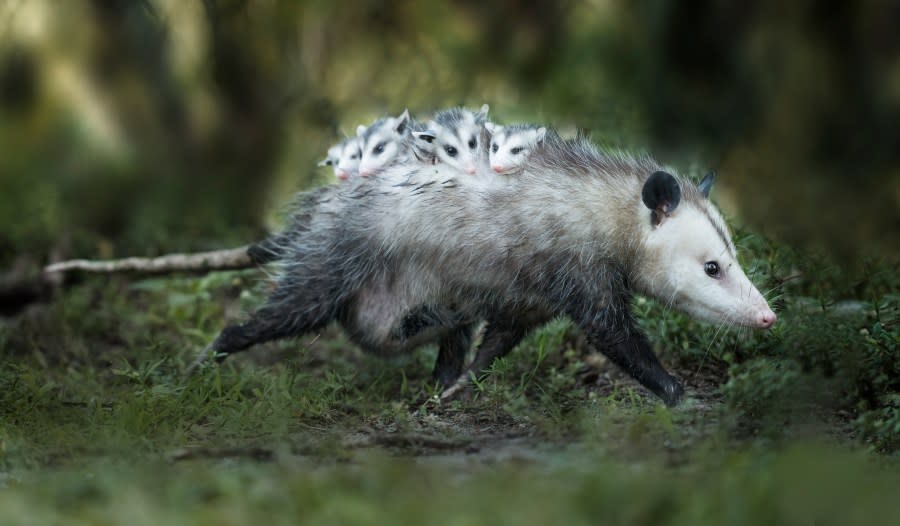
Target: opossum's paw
{"points": [[672, 392]]}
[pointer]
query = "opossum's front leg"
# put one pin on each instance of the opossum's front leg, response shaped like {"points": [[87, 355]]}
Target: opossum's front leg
{"points": [[502, 334], [615, 335]]}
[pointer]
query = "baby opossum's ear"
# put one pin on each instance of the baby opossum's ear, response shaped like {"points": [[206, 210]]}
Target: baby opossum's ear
{"points": [[706, 183], [360, 130], [491, 128], [661, 194], [402, 122], [427, 136], [482, 113], [539, 134]]}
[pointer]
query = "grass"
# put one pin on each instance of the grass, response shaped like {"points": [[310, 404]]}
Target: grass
{"points": [[800, 424]]}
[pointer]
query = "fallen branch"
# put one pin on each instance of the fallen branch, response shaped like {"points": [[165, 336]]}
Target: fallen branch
{"points": [[228, 259]]}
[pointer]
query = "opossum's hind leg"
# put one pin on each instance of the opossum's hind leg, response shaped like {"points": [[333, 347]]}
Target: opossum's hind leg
{"points": [[288, 312], [452, 350]]}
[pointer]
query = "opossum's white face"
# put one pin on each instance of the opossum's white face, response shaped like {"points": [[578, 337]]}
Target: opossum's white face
{"points": [[384, 144], [690, 261], [510, 148], [457, 142]]}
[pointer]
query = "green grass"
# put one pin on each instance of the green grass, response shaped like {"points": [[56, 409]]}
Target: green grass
{"points": [[799, 424]]}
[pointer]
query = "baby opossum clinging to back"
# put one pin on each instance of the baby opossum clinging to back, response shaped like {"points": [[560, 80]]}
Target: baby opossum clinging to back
{"points": [[421, 257], [511, 145], [344, 158]]}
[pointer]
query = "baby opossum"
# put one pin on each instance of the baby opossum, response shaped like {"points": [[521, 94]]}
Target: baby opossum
{"points": [[457, 135], [511, 145], [575, 234], [389, 142], [344, 158]]}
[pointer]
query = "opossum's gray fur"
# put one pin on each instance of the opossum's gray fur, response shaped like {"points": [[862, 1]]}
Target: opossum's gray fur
{"points": [[420, 256]]}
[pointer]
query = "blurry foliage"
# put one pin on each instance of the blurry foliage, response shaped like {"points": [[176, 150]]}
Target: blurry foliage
{"points": [[144, 127]]}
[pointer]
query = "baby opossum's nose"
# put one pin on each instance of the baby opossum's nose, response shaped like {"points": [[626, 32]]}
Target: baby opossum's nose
{"points": [[765, 319], [498, 169], [470, 170], [342, 175], [365, 173]]}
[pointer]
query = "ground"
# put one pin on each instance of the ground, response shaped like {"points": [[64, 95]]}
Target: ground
{"points": [[98, 425]]}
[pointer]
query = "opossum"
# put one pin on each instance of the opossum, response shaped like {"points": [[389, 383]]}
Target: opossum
{"points": [[344, 158], [457, 135], [423, 260], [388, 143], [511, 145]]}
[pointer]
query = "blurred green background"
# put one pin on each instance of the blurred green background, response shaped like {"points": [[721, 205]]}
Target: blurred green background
{"points": [[143, 127]]}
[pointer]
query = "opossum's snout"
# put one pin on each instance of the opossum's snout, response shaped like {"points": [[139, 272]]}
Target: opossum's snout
{"points": [[497, 168], [765, 319], [342, 174]]}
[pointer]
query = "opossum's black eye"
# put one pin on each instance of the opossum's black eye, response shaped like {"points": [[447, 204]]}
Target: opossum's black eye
{"points": [[517, 150], [712, 269], [472, 143], [494, 147], [378, 149], [451, 151]]}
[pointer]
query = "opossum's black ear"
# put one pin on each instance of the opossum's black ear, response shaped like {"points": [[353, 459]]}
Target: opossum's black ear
{"points": [[661, 194], [706, 183], [427, 136]]}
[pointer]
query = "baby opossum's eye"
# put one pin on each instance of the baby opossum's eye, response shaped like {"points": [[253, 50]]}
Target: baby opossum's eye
{"points": [[494, 147], [451, 151], [517, 150], [472, 143], [712, 269], [378, 149]]}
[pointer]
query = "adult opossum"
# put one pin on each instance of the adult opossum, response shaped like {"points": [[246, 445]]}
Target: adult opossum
{"points": [[422, 254]]}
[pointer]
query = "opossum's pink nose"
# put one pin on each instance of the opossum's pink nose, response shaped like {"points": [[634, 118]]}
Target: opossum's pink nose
{"points": [[766, 319], [342, 175], [470, 170], [498, 169], [366, 173]]}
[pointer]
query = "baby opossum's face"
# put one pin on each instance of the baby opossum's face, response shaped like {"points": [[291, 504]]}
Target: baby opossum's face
{"points": [[332, 157], [689, 260], [456, 138], [510, 147], [348, 163], [343, 158], [384, 144]]}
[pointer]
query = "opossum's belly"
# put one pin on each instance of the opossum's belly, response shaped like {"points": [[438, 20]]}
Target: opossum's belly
{"points": [[391, 320]]}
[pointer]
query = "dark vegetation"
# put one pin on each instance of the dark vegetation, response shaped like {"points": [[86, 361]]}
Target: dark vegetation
{"points": [[141, 128]]}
